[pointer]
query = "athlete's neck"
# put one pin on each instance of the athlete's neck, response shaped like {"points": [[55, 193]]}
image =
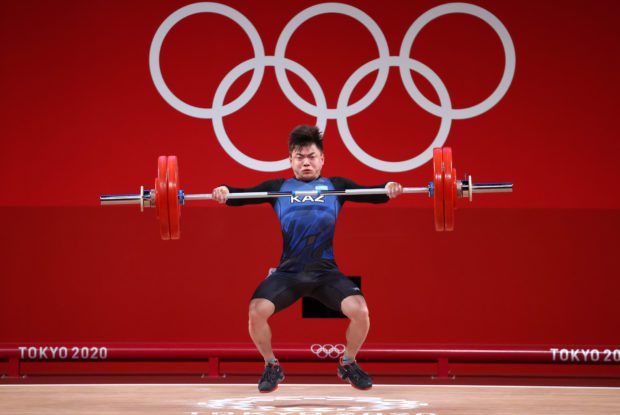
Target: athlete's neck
{"points": [[309, 180]]}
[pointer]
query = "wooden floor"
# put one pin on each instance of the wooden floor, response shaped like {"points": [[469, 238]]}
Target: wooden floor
{"points": [[292, 399]]}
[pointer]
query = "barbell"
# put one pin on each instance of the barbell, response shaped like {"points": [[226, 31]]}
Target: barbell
{"points": [[167, 196]]}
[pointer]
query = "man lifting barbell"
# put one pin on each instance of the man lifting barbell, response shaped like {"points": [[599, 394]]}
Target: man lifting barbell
{"points": [[307, 266], [307, 206]]}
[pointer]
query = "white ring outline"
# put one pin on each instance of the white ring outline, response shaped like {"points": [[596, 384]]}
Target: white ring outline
{"points": [[509, 65], [158, 40], [337, 8], [394, 166], [220, 94]]}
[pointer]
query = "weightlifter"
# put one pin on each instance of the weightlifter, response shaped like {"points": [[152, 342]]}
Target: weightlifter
{"points": [[307, 266]]}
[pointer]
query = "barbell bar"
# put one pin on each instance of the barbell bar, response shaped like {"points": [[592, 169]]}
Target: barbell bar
{"points": [[167, 197]]}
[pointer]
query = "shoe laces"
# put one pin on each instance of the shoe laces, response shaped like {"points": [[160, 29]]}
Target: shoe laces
{"points": [[270, 374], [356, 371]]}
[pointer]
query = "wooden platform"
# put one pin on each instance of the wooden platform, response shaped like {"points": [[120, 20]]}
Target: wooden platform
{"points": [[292, 399]]}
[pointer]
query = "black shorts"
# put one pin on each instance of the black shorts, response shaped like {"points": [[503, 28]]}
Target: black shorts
{"points": [[328, 287]]}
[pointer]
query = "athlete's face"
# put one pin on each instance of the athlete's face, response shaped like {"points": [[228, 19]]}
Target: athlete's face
{"points": [[307, 163]]}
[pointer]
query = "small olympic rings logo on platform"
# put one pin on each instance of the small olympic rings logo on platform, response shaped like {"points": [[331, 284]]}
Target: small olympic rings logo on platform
{"points": [[343, 109], [323, 351]]}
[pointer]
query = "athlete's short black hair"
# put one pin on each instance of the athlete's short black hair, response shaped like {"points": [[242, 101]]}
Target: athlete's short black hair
{"points": [[303, 136]]}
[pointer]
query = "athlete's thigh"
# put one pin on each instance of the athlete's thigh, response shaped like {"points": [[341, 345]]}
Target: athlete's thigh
{"points": [[334, 287], [281, 288]]}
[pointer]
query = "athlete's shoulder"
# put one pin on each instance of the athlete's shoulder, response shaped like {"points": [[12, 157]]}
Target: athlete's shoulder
{"points": [[341, 183], [272, 184]]}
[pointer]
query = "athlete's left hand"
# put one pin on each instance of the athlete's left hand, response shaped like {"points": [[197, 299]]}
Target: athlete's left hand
{"points": [[393, 189]]}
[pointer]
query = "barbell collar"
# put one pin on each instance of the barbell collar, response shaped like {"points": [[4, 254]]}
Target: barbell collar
{"points": [[467, 188], [145, 198], [120, 199]]}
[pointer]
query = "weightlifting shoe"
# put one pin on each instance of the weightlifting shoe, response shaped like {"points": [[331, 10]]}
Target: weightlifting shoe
{"points": [[355, 375], [272, 375]]}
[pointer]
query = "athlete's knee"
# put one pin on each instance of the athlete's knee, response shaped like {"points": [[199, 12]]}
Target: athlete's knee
{"points": [[361, 313], [260, 310], [355, 308]]}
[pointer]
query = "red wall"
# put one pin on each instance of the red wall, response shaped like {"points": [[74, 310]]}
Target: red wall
{"points": [[80, 116]]}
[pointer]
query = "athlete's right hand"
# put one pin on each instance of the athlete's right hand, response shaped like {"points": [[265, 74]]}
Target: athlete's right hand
{"points": [[220, 194]]}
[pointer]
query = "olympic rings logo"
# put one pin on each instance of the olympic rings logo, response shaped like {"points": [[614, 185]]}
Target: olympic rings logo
{"points": [[328, 350], [343, 109]]}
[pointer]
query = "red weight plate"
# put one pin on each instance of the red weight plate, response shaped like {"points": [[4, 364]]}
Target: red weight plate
{"points": [[438, 189], [174, 208], [456, 192], [157, 202], [449, 188], [161, 197], [156, 197]]}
